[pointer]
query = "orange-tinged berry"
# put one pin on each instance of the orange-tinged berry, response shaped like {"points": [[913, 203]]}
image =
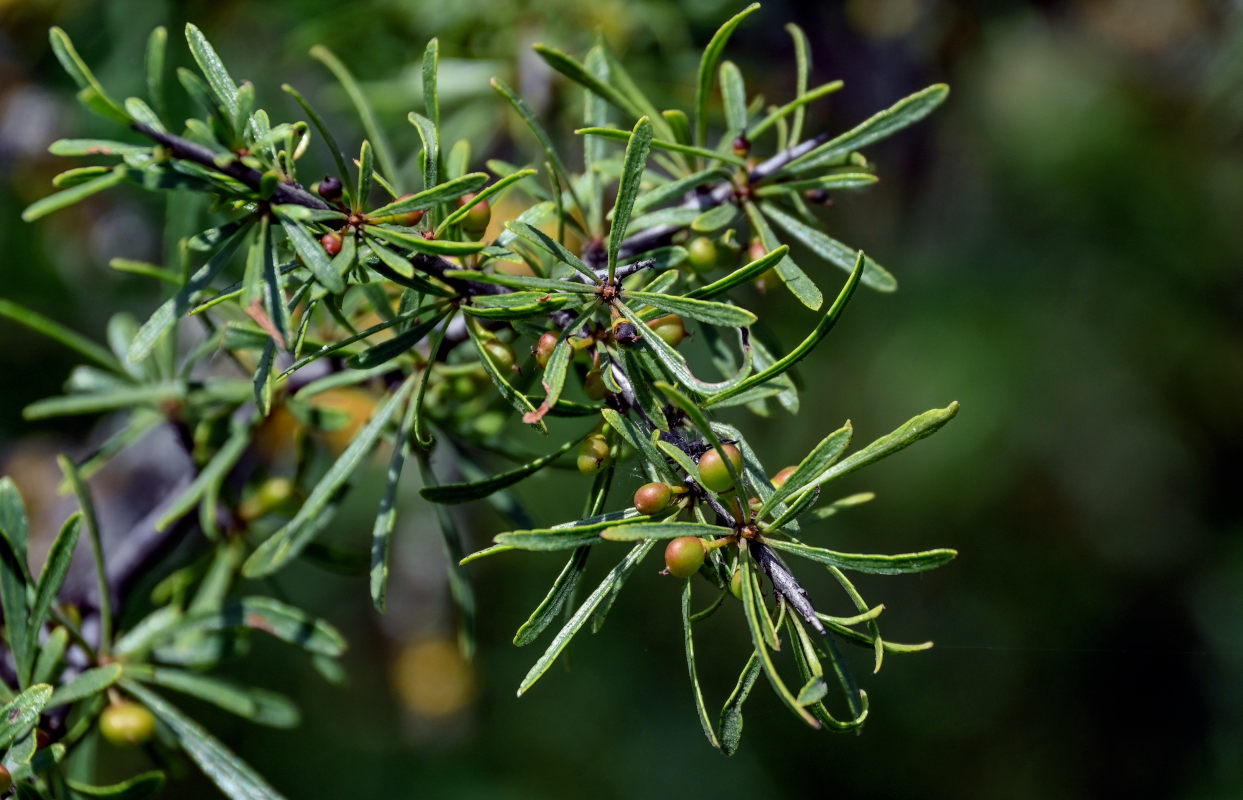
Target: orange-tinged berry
{"points": [[713, 472], [653, 498], [684, 556]]}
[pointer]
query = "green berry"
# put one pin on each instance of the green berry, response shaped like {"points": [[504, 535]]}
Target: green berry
{"points": [[684, 556], [501, 355], [544, 347], [670, 328], [477, 219], [713, 472], [735, 583], [126, 724], [593, 385], [593, 454], [653, 498], [701, 252], [781, 477]]}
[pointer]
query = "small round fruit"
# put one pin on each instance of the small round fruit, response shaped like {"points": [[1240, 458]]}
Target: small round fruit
{"points": [[701, 252], [593, 385], [500, 353], [624, 332], [684, 556], [714, 474], [670, 328], [653, 498], [544, 347], [781, 477], [476, 220], [735, 583], [331, 243], [593, 454], [6, 780], [408, 219], [126, 724], [329, 188]]}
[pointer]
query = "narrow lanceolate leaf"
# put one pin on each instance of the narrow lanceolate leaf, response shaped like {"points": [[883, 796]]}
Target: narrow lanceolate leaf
{"points": [[907, 111], [794, 278], [90, 682], [92, 94], [731, 714], [431, 96], [676, 190], [449, 190], [521, 281], [386, 517], [139, 787], [612, 582], [213, 473], [222, 86], [831, 250], [51, 579], [257, 705], [338, 156], [707, 68], [799, 353], [166, 316], [672, 147], [810, 468], [483, 194], [287, 542], [547, 243], [637, 439], [429, 134], [516, 305], [739, 276], [313, 255], [22, 711], [563, 588], [910, 432], [528, 117], [832, 182], [451, 493], [703, 310], [756, 614], [273, 617], [236, 779], [59, 333], [872, 564], [398, 345], [802, 59], [73, 195], [673, 361], [576, 72], [416, 242], [516, 398], [375, 134], [689, 641], [13, 597], [636, 532], [734, 96]]}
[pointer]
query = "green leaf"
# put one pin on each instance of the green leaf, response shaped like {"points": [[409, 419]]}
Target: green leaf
{"points": [[50, 660], [297, 533], [516, 305], [366, 171], [72, 195], [707, 68], [576, 72], [13, 597], [234, 777], [707, 311], [312, 254], [907, 111], [528, 117], [139, 787], [22, 711], [152, 394], [739, 276], [799, 353], [515, 398], [794, 278], [613, 581], [831, 250], [676, 190], [386, 517], [689, 642], [375, 134], [548, 244], [675, 363], [482, 195], [14, 526], [212, 474], [661, 144], [563, 588], [334, 149], [911, 431], [398, 345], [873, 564], [166, 316], [453, 493], [90, 682], [802, 59], [753, 608], [92, 94], [521, 281], [429, 134], [632, 178], [459, 586], [416, 242], [213, 70], [714, 219], [257, 705], [50, 580], [832, 181], [636, 438], [734, 95], [449, 190], [640, 531], [810, 468], [271, 616], [797, 107], [431, 97], [731, 714]]}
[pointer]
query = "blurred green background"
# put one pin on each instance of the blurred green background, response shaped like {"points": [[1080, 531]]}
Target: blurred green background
{"points": [[1068, 235]]}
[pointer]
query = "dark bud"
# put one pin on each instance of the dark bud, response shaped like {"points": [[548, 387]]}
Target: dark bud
{"points": [[818, 196], [329, 188], [625, 333], [742, 146]]}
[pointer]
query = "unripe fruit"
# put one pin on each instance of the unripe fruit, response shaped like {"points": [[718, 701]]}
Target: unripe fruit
{"points": [[701, 252], [331, 243], [6, 780], [714, 474], [271, 494], [593, 454], [476, 220], [126, 724], [735, 583], [544, 347], [684, 556], [410, 218], [781, 477], [742, 146], [501, 355], [329, 188], [593, 385], [653, 498], [670, 328]]}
